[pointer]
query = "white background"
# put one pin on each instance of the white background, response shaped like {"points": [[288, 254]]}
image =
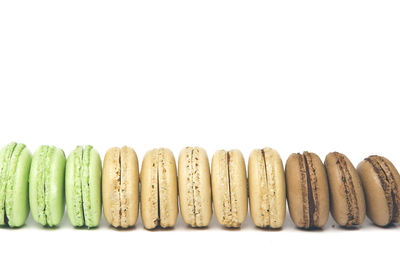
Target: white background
{"points": [[296, 75]]}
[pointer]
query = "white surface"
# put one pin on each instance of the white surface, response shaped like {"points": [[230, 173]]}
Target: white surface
{"points": [[293, 75]]}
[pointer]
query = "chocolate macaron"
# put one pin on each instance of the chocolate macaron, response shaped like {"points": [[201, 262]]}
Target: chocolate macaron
{"points": [[307, 190], [346, 192], [381, 182]]}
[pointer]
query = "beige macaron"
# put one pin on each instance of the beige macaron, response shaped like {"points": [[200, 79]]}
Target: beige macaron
{"points": [[307, 190], [347, 195], [159, 196], [194, 186], [381, 182], [267, 190], [229, 187], [120, 187]]}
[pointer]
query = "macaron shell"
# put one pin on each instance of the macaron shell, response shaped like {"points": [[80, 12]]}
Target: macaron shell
{"points": [[93, 214], [267, 189], [130, 186], [36, 186], [346, 192], [110, 186], [297, 192], [73, 187], [194, 186], [55, 188], [17, 203], [168, 188], [229, 187], [149, 187]]}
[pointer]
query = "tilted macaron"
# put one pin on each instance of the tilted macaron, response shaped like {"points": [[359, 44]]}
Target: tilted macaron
{"points": [[267, 190], [229, 187], [381, 182], [15, 162], [82, 187], [46, 185], [346, 192], [120, 184], [194, 186], [307, 190], [159, 196]]}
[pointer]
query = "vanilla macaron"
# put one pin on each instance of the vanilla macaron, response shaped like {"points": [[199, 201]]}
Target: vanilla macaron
{"points": [[194, 186], [159, 190], [120, 187], [229, 187], [267, 190]]}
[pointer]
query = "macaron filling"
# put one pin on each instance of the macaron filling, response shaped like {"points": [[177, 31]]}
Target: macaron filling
{"points": [[265, 203], [81, 187], [195, 186], [389, 186], [77, 187], [43, 190], [86, 209], [310, 198]]}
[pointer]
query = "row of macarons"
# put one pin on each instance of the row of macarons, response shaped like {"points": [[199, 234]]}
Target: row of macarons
{"points": [[45, 182]]}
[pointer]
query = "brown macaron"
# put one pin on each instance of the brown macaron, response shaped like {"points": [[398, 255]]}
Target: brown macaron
{"points": [[346, 192], [307, 190], [381, 182]]}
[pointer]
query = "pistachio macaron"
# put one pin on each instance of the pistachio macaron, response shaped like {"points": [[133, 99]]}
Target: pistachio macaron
{"points": [[307, 190], [346, 192], [267, 189], [159, 190], [120, 184], [46, 185], [229, 187], [83, 187], [15, 163], [194, 186], [381, 182]]}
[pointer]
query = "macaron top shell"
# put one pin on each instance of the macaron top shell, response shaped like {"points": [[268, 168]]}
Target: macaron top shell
{"points": [[46, 185], [83, 187], [15, 162]]}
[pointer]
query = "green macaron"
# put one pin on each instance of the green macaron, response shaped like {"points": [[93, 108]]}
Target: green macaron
{"points": [[46, 185], [15, 162], [82, 187]]}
